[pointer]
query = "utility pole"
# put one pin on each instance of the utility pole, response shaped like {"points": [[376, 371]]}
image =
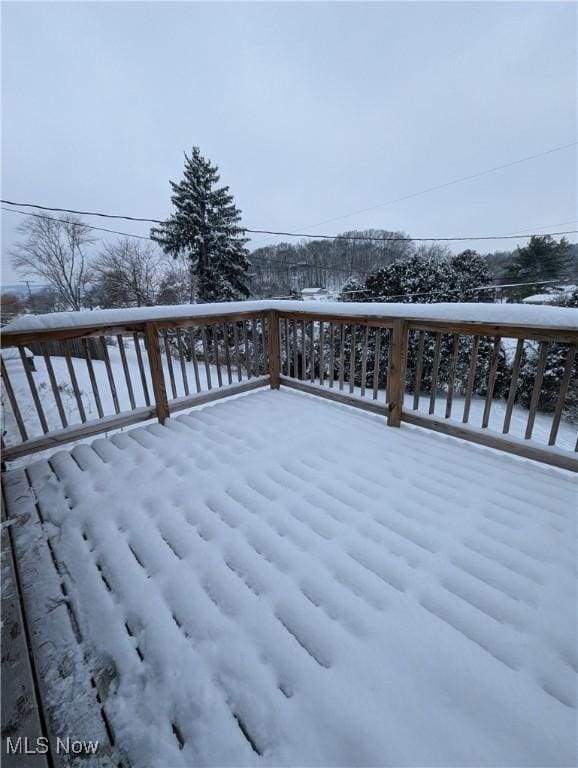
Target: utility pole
{"points": [[30, 297], [28, 286]]}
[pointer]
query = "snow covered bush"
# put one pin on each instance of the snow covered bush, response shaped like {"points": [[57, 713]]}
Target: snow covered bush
{"points": [[553, 374]]}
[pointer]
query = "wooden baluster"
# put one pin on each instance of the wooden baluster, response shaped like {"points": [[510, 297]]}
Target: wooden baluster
{"points": [[141, 368], [157, 373], [376, 361], [396, 358], [33, 391], [287, 348], [169, 363], [389, 335], [295, 352], [513, 386], [321, 352], [265, 344], [215, 337], [364, 360], [342, 356], [256, 356], [544, 345], [303, 353], [491, 381], [332, 355], [13, 403], [126, 370], [568, 366], [182, 361], [274, 350], [65, 346], [194, 360], [312, 372], [452, 374], [471, 378], [434, 375], [225, 328], [109, 374], [54, 385], [92, 377], [352, 360], [237, 353], [246, 351], [206, 358], [418, 370]]}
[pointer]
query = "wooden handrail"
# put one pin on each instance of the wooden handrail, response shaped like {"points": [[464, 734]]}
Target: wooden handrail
{"points": [[17, 338]]}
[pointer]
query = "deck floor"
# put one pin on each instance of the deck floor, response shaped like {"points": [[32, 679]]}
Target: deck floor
{"points": [[279, 580]]}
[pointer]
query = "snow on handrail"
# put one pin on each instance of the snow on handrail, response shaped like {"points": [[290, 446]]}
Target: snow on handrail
{"points": [[549, 317]]}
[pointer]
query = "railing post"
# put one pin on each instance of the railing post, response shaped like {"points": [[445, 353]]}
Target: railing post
{"points": [[157, 374], [273, 349], [397, 359]]}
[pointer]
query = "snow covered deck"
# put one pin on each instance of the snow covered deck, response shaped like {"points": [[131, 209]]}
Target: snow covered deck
{"points": [[280, 580]]}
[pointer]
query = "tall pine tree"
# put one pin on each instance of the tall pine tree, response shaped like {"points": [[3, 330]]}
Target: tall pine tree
{"points": [[205, 228]]}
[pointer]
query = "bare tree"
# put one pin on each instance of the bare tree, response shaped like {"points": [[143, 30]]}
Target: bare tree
{"points": [[54, 250], [127, 274], [179, 282]]}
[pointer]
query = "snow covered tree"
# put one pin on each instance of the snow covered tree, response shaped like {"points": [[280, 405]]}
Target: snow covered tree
{"points": [[205, 227], [542, 259], [353, 290], [429, 275], [471, 271], [553, 373]]}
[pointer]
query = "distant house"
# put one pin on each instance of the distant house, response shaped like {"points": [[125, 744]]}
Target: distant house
{"points": [[314, 294]]}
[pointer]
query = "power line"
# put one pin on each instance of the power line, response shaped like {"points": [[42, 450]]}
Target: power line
{"points": [[256, 258], [82, 213], [444, 185], [305, 265], [478, 289], [74, 223], [405, 239], [144, 237], [360, 238]]}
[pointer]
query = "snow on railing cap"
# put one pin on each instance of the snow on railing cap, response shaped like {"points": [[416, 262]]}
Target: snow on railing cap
{"points": [[511, 314]]}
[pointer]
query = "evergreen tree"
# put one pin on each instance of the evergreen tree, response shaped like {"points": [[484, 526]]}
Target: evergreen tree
{"points": [[542, 259], [205, 228], [471, 270], [429, 276], [553, 373]]}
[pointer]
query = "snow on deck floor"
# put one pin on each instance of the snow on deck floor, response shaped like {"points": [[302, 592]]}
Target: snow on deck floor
{"points": [[280, 580]]}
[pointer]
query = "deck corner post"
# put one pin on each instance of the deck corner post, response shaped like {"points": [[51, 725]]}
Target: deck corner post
{"points": [[273, 350], [397, 360], [157, 374]]}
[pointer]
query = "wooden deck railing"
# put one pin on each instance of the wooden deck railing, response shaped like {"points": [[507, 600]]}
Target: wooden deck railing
{"points": [[159, 367], [442, 375]]}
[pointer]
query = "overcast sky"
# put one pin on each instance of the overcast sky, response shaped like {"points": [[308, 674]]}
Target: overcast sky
{"points": [[311, 111]]}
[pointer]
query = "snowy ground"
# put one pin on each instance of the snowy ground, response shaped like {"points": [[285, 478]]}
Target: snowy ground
{"points": [[284, 576], [41, 378]]}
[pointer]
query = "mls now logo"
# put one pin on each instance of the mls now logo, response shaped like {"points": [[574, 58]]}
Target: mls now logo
{"points": [[67, 746]]}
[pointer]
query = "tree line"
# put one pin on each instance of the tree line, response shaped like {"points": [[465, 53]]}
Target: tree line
{"points": [[199, 254]]}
